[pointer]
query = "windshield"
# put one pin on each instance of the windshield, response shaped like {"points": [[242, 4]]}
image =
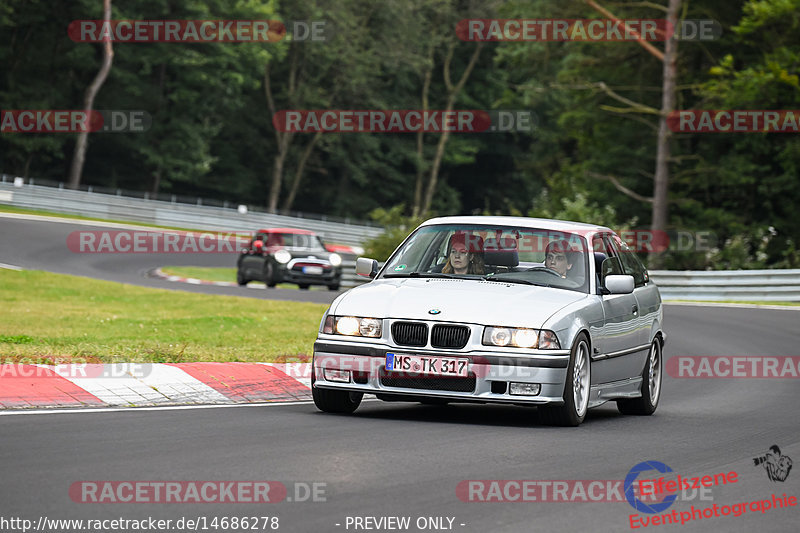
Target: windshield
{"points": [[294, 241], [527, 256]]}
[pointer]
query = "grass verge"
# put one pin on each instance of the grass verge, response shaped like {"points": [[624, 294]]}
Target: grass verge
{"points": [[56, 318], [220, 274]]}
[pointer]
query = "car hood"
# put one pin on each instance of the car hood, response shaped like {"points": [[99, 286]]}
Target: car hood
{"points": [[458, 300]]}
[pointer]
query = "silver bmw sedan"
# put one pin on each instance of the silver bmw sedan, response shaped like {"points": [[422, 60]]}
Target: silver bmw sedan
{"points": [[554, 314]]}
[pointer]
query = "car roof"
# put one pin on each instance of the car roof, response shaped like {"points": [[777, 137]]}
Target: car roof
{"points": [[286, 230], [534, 223]]}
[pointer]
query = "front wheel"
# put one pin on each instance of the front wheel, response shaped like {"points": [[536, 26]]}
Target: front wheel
{"points": [[240, 279], [268, 275], [576, 389], [651, 386], [335, 401], [303, 287]]}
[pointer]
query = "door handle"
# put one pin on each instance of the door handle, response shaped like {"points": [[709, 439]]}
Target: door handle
{"points": [[635, 309]]}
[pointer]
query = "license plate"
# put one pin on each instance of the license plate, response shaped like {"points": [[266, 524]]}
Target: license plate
{"points": [[314, 271], [428, 365]]}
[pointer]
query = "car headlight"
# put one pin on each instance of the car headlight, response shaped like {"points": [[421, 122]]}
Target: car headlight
{"points": [[282, 256], [335, 259], [520, 338], [352, 326]]}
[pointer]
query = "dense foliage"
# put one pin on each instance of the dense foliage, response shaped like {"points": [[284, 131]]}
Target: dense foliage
{"points": [[212, 107]]}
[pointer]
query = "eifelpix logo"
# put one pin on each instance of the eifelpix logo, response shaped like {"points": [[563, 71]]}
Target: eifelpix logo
{"points": [[777, 466]]}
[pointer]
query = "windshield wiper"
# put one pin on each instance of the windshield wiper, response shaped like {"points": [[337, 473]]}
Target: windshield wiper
{"points": [[516, 280], [419, 275]]}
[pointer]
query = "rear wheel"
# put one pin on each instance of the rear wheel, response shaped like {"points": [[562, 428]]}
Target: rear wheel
{"points": [[303, 286], [333, 287], [576, 389], [240, 279], [651, 386], [335, 401]]}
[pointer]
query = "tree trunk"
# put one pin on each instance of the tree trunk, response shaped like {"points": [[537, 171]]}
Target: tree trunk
{"points": [[81, 144], [301, 166], [453, 92], [284, 139], [426, 85], [660, 211]]}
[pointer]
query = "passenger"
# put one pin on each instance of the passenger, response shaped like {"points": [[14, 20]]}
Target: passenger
{"points": [[559, 256], [465, 255]]}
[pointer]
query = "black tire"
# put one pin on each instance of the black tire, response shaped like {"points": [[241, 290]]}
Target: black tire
{"points": [[333, 287], [651, 385], [335, 401], [576, 399], [303, 286], [268, 274], [240, 279]]}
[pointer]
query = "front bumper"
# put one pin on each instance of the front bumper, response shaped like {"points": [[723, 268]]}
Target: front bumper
{"points": [[293, 276], [490, 373]]}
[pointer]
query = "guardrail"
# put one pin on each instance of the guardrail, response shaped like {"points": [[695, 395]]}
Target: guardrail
{"points": [[173, 213], [717, 285]]}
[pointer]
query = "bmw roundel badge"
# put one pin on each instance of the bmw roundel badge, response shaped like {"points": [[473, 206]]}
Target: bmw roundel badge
{"points": [[434, 311]]}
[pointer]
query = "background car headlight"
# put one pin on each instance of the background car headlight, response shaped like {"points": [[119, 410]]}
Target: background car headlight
{"points": [[282, 256], [335, 259], [353, 326], [520, 338]]}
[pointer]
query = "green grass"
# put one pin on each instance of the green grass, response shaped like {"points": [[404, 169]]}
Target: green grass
{"points": [[220, 274], [58, 318]]}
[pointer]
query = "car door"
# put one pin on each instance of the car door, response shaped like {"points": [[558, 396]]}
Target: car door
{"points": [[253, 262], [617, 349], [646, 292]]}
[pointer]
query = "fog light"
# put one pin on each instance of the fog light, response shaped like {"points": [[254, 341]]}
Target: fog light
{"points": [[525, 389], [342, 376]]}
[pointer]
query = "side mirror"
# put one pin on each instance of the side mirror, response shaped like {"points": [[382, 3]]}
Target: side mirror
{"points": [[258, 246], [367, 267], [619, 284]]}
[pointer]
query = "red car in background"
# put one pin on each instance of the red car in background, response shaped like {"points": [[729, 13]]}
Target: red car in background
{"points": [[286, 255]]}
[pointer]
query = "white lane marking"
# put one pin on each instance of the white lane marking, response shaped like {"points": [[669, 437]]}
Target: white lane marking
{"points": [[152, 383], [160, 408], [734, 306], [10, 267]]}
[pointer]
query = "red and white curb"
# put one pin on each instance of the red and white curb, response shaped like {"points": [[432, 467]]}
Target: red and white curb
{"points": [[152, 384], [160, 274]]}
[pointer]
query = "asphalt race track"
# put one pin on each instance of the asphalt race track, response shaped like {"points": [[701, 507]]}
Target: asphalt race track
{"points": [[42, 245], [407, 460]]}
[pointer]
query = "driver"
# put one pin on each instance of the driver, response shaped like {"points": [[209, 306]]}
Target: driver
{"points": [[559, 256]]}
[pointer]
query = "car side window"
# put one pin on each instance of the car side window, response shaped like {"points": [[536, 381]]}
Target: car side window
{"points": [[611, 264], [631, 263]]}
